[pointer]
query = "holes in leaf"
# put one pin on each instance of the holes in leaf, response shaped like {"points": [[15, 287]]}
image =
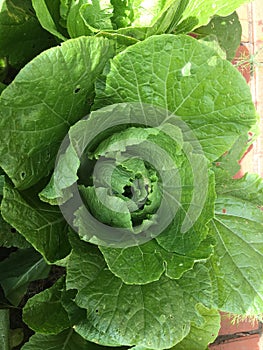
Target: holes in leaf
{"points": [[128, 191], [77, 90], [22, 175]]}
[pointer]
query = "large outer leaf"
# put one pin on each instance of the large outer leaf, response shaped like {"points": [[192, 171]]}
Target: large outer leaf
{"points": [[46, 97], [237, 266], [44, 312], [146, 263], [42, 225], [203, 10], [187, 78], [21, 36], [156, 315]]}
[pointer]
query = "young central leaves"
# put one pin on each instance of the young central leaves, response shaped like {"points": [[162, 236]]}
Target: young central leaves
{"points": [[125, 191]]}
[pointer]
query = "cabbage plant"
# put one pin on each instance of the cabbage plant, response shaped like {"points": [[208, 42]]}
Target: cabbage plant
{"points": [[119, 147]]}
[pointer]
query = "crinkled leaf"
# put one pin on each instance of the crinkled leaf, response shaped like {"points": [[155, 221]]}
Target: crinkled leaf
{"points": [[115, 212], [156, 315], [48, 95], [48, 14], [136, 265], [237, 264], [190, 80], [199, 337], [147, 262], [227, 31], [142, 309], [46, 230], [44, 312], [18, 270]]}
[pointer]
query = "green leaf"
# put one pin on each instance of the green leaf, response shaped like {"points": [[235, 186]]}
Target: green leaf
{"points": [[115, 212], [66, 340], [48, 95], [248, 188], [205, 9], [75, 23], [155, 17], [180, 168], [48, 14], [227, 31], [16, 337], [21, 36], [4, 329], [44, 312], [136, 265], [189, 226], [237, 265], [96, 17], [18, 270], [210, 96], [146, 263], [156, 315], [2, 182], [9, 237], [199, 337], [87, 18], [228, 164], [2, 87], [46, 230], [79, 273]]}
